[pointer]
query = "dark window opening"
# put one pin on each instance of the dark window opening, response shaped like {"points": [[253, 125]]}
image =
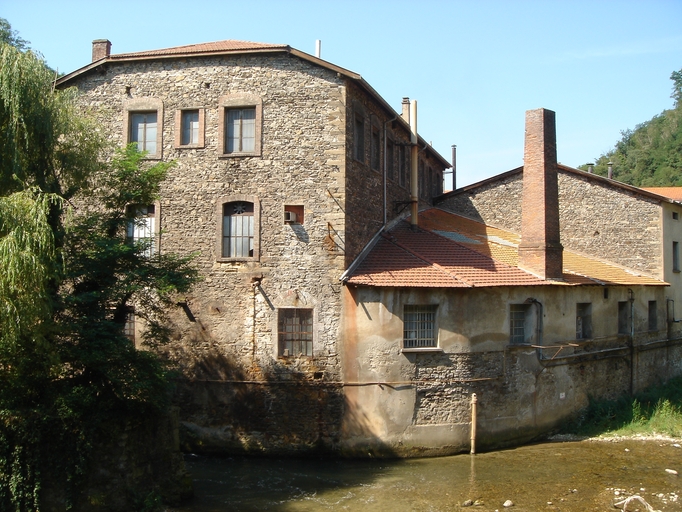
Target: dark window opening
{"points": [[419, 326], [295, 332]]}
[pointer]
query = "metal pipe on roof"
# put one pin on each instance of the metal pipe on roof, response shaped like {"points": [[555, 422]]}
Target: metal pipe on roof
{"points": [[318, 48], [414, 175], [454, 168]]}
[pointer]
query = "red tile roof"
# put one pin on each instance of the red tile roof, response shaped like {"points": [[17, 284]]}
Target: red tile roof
{"points": [[674, 193], [451, 251], [229, 45]]}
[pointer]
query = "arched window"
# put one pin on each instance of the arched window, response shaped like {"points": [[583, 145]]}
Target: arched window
{"points": [[238, 230]]}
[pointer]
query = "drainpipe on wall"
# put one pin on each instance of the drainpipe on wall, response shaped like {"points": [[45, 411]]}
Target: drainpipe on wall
{"points": [[414, 156]]}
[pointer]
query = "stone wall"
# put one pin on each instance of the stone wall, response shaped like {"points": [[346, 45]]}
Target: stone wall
{"points": [[605, 221]]}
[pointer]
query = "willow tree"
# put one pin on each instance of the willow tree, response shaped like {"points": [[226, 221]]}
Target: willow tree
{"points": [[69, 280]]}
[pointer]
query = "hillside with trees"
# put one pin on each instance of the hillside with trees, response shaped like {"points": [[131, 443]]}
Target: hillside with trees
{"points": [[651, 154]]}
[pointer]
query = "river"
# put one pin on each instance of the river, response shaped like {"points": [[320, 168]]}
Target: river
{"points": [[557, 476]]}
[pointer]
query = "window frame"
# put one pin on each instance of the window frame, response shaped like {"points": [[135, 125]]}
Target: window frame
{"points": [[520, 316], [179, 118], [375, 147], [676, 256], [142, 106], [420, 343], [239, 101], [155, 248], [652, 316], [219, 227], [623, 317], [281, 311], [583, 319]]}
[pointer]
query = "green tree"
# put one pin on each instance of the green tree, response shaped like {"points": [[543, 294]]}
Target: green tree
{"points": [[10, 37], [70, 278], [651, 154]]}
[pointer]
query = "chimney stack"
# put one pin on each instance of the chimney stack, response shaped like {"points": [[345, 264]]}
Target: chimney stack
{"points": [[101, 48], [406, 110], [540, 250]]}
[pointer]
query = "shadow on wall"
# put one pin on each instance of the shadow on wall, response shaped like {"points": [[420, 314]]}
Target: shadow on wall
{"points": [[286, 409]]}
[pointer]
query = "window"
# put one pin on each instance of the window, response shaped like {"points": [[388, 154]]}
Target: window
{"points": [[583, 321], [623, 317], [240, 125], [676, 257], [295, 331], [359, 138], [419, 326], [129, 326], [240, 130], [141, 227], [144, 125], [189, 128], [676, 216], [238, 230], [653, 316], [390, 160], [376, 148], [143, 131], [520, 327]]}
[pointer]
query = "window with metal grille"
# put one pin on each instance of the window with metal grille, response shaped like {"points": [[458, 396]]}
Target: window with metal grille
{"points": [[295, 332], [143, 131], [141, 227], [240, 130], [419, 326], [517, 323], [238, 230]]}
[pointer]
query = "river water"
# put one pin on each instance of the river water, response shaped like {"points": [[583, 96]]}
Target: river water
{"points": [[558, 476]]}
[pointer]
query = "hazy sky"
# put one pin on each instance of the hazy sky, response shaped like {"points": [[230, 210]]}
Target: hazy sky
{"points": [[475, 67]]}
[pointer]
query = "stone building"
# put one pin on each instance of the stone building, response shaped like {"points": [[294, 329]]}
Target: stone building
{"points": [[533, 290], [286, 167], [324, 321]]}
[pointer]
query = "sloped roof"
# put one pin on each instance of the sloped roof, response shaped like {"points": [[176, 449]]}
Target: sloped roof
{"points": [[451, 251], [655, 193], [232, 47], [674, 193], [228, 45]]}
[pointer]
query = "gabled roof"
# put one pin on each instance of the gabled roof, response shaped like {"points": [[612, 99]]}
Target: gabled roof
{"points": [[451, 251], [234, 47], [674, 193], [659, 194]]}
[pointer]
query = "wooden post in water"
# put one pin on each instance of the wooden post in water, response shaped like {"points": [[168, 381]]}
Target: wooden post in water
{"points": [[474, 401]]}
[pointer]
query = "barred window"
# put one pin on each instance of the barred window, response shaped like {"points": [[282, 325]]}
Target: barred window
{"points": [[517, 323], [419, 326], [295, 332], [238, 230], [141, 228]]}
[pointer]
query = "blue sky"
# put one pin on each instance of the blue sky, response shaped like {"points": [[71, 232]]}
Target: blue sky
{"points": [[475, 67]]}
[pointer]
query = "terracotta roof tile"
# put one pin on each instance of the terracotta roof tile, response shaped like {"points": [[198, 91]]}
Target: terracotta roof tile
{"points": [[674, 193], [451, 251], [228, 45]]}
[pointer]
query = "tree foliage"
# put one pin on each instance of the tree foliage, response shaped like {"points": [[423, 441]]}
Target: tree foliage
{"points": [[651, 154], [69, 280]]}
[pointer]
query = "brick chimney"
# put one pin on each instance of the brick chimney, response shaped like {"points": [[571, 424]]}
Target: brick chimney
{"points": [[540, 250], [406, 110], [101, 48]]}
